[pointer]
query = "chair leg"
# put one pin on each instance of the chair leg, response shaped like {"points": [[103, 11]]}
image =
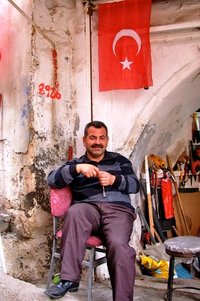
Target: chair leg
{"points": [[170, 279], [51, 270], [90, 273]]}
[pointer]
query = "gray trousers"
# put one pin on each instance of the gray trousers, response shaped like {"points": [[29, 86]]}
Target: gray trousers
{"points": [[115, 224]]}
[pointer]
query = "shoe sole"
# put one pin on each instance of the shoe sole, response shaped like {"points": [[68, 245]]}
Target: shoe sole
{"points": [[72, 290]]}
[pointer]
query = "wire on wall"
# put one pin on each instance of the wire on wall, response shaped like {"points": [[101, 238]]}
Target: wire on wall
{"points": [[89, 10]]}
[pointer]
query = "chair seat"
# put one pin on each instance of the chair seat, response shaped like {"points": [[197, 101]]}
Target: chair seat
{"points": [[93, 241], [183, 246]]}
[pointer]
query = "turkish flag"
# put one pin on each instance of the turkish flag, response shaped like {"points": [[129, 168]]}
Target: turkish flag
{"points": [[124, 47]]}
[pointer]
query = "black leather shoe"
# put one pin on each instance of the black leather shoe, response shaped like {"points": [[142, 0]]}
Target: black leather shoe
{"points": [[59, 290]]}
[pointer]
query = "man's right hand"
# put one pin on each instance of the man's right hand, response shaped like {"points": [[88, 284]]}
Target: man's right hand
{"points": [[87, 170]]}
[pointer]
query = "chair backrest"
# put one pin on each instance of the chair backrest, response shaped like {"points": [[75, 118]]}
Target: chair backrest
{"points": [[60, 200]]}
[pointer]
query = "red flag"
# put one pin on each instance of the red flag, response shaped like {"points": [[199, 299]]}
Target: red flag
{"points": [[124, 47]]}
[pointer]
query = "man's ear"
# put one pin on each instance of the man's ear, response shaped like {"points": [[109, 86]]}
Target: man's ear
{"points": [[83, 140]]}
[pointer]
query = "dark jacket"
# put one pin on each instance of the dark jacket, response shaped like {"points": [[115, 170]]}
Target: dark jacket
{"points": [[89, 189]]}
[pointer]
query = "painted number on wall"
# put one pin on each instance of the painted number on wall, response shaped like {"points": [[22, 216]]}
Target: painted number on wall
{"points": [[49, 91]]}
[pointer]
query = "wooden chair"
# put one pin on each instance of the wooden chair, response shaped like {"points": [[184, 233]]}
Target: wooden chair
{"points": [[60, 201]]}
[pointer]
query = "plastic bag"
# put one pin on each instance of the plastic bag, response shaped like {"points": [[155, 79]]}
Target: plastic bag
{"points": [[158, 269]]}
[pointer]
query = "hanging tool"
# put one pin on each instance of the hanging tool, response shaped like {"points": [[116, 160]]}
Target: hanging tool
{"points": [[158, 232], [158, 227], [178, 196], [143, 219], [154, 185]]}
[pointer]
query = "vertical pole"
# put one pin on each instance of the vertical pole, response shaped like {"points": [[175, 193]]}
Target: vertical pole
{"points": [[91, 82], [150, 210], [89, 53], [90, 272], [170, 279]]}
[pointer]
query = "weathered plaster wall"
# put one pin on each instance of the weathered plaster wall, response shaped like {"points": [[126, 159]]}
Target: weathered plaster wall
{"points": [[151, 119], [36, 130]]}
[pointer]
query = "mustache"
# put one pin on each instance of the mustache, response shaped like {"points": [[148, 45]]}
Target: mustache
{"points": [[97, 145]]}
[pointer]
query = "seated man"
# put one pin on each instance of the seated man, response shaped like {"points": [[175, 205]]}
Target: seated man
{"points": [[101, 182]]}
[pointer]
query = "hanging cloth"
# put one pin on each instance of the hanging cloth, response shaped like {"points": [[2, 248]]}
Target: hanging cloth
{"points": [[167, 197]]}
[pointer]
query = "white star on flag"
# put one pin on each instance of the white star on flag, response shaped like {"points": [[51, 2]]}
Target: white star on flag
{"points": [[126, 64]]}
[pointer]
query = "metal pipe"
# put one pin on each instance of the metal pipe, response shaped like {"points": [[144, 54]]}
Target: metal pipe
{"points": [[89, 10]]}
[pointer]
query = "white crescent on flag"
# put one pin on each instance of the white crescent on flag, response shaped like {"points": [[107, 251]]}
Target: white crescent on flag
{"points": [[127, 33]]}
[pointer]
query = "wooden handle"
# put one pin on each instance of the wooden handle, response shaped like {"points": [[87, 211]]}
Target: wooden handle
{"points": [[150, 211]]}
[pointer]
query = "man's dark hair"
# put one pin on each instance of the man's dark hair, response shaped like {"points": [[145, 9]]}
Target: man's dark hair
{"points": [[96, 124]]}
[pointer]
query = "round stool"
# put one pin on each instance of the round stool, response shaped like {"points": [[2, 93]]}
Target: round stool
{"points": [[182, 247]]}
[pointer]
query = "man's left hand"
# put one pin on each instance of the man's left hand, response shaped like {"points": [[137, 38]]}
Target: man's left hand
{"points": [[105, 178]]}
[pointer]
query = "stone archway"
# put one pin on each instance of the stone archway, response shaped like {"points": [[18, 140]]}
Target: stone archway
{"points": [[174, 105]]}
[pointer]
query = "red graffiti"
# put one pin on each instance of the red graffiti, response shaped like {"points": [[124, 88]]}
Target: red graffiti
{"points": [[55, 66], [49, 91]]}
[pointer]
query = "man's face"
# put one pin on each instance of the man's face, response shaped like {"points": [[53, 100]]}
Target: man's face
{"points": [[95, 142]]}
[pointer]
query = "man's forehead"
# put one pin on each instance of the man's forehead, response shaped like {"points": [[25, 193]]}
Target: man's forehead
{"points": [[96, 132]]}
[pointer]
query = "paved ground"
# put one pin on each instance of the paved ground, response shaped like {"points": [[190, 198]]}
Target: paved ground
{"points": [[146, 289]]}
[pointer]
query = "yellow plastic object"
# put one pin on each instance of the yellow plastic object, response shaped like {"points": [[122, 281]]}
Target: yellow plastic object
{"points": [[158, 269]]}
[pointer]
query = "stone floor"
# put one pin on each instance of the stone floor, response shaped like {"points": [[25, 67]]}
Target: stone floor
{"points": [[146, 289]]}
